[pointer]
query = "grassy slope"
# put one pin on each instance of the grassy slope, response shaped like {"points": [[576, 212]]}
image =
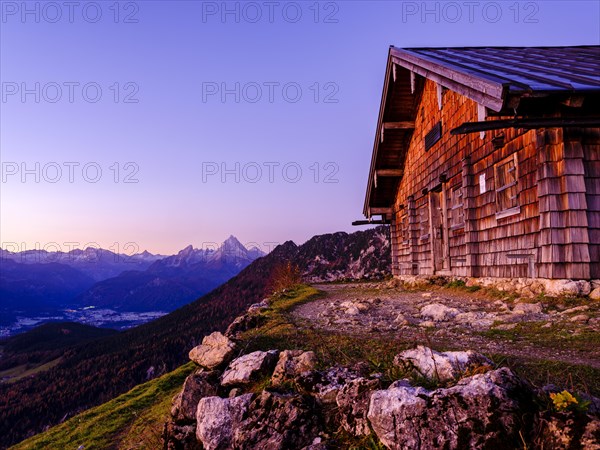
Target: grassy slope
{"points": [[132, 420]]}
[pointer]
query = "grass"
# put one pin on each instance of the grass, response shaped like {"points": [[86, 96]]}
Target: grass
{"points": [[16, 373], [132, 420]]}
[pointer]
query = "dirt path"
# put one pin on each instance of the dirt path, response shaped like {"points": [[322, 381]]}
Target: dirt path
{"points": [[457, 319]]}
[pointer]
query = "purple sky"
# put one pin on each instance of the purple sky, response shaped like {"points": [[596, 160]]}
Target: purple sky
{"points": [[309, 84]]}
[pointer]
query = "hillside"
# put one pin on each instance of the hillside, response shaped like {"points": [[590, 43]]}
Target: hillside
{"points": [[99, 371], [356, 352]]}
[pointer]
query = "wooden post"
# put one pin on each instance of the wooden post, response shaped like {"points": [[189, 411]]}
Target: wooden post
{"points": [[471, 241]]}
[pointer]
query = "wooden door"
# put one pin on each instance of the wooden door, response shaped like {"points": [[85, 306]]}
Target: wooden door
{"points": [[439, 232]]}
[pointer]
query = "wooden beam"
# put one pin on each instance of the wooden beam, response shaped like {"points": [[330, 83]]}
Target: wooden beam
{"points": [[369, 222], [390, 173], [527, 124], [408, 125], [377, 211]]}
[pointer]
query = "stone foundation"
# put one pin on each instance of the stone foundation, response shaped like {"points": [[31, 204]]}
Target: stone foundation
{"points": [[526, 287]]}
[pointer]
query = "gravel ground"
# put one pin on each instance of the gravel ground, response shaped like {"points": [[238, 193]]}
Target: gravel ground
{"points": [[458, 319]]}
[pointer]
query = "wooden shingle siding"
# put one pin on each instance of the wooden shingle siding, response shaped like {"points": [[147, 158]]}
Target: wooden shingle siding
{"points": [[486, 245]]}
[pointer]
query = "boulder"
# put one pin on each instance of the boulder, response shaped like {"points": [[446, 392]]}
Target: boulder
{"points": [[482, 411], [218, 418], [558, 288], [291, 364], [438, 312], [216, 350], [434, 365], [353, 402], [595, 294], [250, 367], [278, 421], [196, 386]]}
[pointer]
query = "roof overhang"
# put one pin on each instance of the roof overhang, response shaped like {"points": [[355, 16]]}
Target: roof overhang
{"points": [[494, 90]]}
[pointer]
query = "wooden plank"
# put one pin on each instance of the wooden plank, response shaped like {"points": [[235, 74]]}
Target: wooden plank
{"points": [[390, 172], [406, 125]]}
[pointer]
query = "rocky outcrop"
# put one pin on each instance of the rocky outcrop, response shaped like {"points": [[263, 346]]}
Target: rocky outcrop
{"points": [[291, 364], [482, 411], [353, 401], [278, 421], [250, 367], [218, 418], [215, 351], [196, 386], [251, 319], [438, 366]]}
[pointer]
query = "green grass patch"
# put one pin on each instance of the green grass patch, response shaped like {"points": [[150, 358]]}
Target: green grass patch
{"points": [[134, 418], [16, 373]]}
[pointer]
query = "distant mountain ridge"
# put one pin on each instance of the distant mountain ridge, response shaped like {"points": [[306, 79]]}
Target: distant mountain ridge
{"points": [[41, 282], [97, 263], [173, 281]]}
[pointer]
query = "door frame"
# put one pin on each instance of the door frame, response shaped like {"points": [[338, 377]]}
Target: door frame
{"points": [[440, 263]]}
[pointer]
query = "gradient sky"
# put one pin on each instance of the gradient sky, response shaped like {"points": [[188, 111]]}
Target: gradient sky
{"points": [[172, 54]]}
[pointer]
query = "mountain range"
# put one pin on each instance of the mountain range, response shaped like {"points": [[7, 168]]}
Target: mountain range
{"points": [[39, 286], [87, 375]]}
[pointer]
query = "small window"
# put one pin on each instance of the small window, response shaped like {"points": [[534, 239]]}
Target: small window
{"points": [[457, 211], [433, 136], [507, 189]]}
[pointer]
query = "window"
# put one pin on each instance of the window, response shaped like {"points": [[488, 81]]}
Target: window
{"points": [[457, 212], [507, 190], [433, 136]]}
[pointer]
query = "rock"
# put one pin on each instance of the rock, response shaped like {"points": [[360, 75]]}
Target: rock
{"points": [[248, 368], [196, 386], [443, 367], [438, 312], [326, 385], [291, 364], [216, 350], [567, 288], [353, 401], [218, 418], [180, 437], [278, 421], [426, 294], [505, 326], [569, 430], [243, 323], [257, 307], [527, 308], [580, 318], [574, 310], [482, 411], [477, 320], [400, 320], [595, 294], [427, 324]]}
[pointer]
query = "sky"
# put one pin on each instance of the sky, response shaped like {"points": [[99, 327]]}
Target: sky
{"points": [[151, 125]]}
